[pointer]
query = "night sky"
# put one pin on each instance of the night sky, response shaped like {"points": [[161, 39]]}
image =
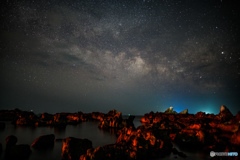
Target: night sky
{"points": [[130, 55]]}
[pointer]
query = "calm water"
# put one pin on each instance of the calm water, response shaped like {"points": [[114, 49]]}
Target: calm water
{"points": [[27, 135], [89, 130]]}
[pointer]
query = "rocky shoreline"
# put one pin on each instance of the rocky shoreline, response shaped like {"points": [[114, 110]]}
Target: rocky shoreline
{"points": [[153, 139]]}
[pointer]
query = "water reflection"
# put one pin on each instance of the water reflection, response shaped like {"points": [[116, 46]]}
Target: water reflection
{"points": [[27, 135]]}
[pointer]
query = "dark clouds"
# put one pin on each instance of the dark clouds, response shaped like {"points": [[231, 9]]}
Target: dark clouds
{"points": [[131, 55]]}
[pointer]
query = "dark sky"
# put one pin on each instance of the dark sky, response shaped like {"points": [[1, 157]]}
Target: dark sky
{"points": [[134, 56]]}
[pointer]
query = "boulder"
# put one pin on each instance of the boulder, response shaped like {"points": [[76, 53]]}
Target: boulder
{"points": [[184, 112], [44, 142], [11, 141], [19, 152], [225, 114], [170, 111], [73, 148]]}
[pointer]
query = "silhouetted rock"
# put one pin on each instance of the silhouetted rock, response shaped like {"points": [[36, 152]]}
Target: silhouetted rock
{"points": [[46, 117], [20, 152], [44, 142], [9, 115], [10, 141], [184, 112], [73, 148]]}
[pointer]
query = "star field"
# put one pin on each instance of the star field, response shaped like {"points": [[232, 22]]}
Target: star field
{"points": [[134, 56]]}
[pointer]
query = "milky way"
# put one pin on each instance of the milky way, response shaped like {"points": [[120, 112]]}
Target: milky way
{"points": [[134, 56]]}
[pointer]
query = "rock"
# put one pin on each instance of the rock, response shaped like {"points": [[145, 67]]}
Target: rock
{"points": [[11, 141], [200, 115], [225, 114], [19, 152], [188, 139], [44, 142], [73, 148], [170, 111], [145, 120], [184, 112], [113, 119], [237, 117], [9, 115], [46, 117], [235, 139], [145, 142]]}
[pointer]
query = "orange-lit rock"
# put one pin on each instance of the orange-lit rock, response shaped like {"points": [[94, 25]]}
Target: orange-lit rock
{"points": [[73, 148], [235, 139], [225, 114]]}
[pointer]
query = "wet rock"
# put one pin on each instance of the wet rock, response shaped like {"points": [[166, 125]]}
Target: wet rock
{"points": [[20, 152], [44, 142], [184, 112], [11, 141], [73, 148]]}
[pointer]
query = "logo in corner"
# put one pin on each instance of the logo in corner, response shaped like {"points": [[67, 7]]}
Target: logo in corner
{"points": [[212, 153]]}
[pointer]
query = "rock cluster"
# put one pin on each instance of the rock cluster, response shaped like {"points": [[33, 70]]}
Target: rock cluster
{"points": [[203, 131], [113, 119], [153, 139]]}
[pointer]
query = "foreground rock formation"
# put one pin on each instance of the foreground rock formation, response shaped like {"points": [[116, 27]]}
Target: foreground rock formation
{"points": [[73, 148], [13, 151], [153, 139], [44, 142]]}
